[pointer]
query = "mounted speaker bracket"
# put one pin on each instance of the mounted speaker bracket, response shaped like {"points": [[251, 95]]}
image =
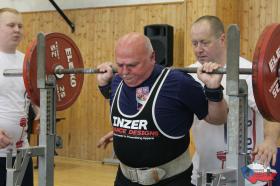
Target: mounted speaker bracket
{"points": [[69, 22]]}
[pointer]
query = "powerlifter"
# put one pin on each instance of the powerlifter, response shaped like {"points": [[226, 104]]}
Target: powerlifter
{"points": [[162, 102]]}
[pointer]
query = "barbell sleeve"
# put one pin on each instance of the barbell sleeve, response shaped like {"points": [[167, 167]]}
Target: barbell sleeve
{"points": [[12, 72]]}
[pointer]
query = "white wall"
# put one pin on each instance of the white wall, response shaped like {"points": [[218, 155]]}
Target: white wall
{"points": [[43, 5]]}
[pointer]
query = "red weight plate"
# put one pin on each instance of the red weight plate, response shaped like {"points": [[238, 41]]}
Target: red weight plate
{"points": [[60, 51], [26, 70], [265, 78]]}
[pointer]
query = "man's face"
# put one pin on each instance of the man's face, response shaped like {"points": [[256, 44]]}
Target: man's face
{"points": [[207, 47], [134, 65], [11, 31]]}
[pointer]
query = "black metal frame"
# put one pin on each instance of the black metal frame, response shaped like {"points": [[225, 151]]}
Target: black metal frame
{"points": [[69, 22]]}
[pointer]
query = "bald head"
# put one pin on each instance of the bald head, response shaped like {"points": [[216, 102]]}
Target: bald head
{"points": [[135, 42], [135, 58]]}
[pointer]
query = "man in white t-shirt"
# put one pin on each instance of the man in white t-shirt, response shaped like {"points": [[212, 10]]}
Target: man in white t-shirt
{"points": [[208, 41], [14, 103]]}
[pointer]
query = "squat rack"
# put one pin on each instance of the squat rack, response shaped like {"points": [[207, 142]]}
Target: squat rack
{"points": [[45, 150]]}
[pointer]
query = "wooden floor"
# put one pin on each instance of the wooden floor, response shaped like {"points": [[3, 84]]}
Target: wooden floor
{"points": [[73, 172]]}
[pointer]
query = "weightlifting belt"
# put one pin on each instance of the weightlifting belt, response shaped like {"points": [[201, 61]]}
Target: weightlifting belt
{"points": [[152, 175]]}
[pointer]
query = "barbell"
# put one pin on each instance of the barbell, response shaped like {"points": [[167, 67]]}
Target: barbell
{"points": [[64, 59]]}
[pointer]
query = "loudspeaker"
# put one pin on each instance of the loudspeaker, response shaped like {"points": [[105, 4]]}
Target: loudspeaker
{"points": [[161, 36]]}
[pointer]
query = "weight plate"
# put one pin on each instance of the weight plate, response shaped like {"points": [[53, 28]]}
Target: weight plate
{"points": [[61, 52], [265, 78]]}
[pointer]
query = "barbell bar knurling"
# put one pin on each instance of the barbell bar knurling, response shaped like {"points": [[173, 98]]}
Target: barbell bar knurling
{"points": [[80, 71], [18, 72], [217, 71]]}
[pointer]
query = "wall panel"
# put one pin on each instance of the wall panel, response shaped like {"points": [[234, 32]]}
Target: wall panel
{"points": [[255, 16]]}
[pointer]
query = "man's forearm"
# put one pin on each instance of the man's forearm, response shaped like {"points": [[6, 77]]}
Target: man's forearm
{"points": [[217, 112], [105, 90]]}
